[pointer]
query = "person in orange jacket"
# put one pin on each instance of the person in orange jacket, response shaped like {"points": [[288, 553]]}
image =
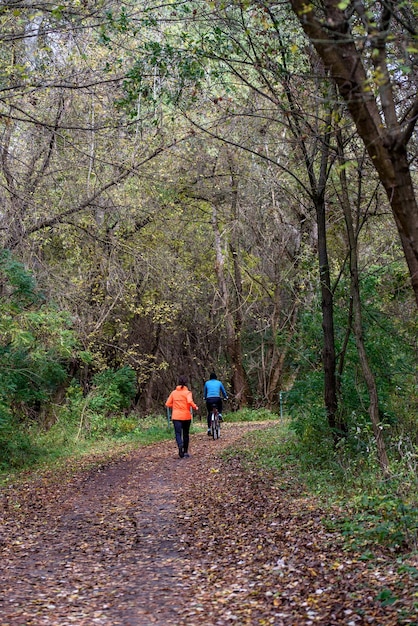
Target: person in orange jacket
{"points": [[180, 401]]}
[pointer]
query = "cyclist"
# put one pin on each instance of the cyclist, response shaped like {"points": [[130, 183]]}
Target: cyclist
{"points": [[180, 401], [213, 392]]}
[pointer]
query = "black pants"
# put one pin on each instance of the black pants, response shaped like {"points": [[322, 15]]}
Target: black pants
{"points": [[181, 430], [209, 404]]}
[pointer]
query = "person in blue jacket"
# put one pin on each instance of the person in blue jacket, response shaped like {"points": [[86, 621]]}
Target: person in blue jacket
{"points": [[213, 392]]}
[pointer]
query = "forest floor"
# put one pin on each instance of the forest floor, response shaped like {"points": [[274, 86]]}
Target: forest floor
{"points": [[153, 539]]}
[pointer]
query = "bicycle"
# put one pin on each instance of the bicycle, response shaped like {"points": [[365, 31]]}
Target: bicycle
{"points": [[215, 424]]}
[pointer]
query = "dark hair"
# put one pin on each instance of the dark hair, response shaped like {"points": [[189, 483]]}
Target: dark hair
{"points": [[182, 381], [212, 376]]}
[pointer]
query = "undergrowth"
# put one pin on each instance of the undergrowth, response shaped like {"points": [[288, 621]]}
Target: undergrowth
{"points": [[33, 447], [251, 415], [368, 509]]}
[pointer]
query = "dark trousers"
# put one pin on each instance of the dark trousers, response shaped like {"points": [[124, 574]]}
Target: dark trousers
{"points": [[209, 404], [181, 430]]}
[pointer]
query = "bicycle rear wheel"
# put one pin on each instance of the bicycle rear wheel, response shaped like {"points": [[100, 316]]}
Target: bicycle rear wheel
{"points": [[213, 425], [216, 432]]}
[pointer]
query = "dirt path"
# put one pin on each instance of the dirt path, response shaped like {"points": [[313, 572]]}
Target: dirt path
{"points": [[154, 539], [103, 547]]}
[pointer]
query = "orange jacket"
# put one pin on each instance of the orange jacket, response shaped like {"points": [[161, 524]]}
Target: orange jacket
{"points": [[179, 401]]}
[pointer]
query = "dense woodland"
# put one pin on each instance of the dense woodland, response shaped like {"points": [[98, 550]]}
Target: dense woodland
{"points": [[200, 185]]}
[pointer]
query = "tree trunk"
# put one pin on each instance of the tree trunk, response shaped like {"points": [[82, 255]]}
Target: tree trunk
{"points": [[277, 356], [357, 316], [385, 138], [318, 187], [405, 211], [233, 323], [327, 307]]}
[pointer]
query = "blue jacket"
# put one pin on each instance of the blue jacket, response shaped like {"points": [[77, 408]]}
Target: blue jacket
{"points": [[214, 389]]}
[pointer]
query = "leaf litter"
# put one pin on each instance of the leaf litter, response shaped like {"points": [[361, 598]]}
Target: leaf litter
{"points": [[153, 539]]}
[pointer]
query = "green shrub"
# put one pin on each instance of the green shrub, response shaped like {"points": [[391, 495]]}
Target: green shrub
{"points": [[17, 449], [37, 345], [112, 393], [114, 390], [37, 342], [384, 519]]}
